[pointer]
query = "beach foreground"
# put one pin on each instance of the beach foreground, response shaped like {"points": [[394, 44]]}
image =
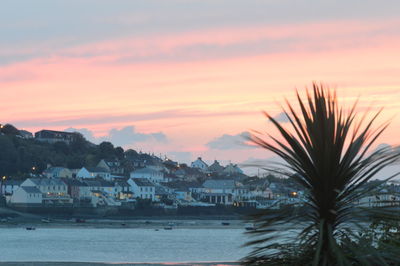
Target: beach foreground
{"points": [[116, 264]]}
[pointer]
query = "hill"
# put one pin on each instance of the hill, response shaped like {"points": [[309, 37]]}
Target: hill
{"points": [[21, 156]]}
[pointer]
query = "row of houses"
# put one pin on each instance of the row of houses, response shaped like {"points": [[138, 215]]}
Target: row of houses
{"points": [[46, 191]]}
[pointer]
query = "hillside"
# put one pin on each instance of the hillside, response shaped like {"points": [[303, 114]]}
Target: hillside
{"points": [[21, 156]]}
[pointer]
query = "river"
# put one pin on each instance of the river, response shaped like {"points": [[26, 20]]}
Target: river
{"points": [[121, 245]]}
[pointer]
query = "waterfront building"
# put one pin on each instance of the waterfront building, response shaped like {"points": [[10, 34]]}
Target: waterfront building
{"points": [[27, 196], [54, 191], [142, 188], [149, 174]]}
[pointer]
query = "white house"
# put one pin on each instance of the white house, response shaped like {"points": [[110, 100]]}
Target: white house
{"points": [[149, 174], [200, 164], [222, 191], [93, 172], [112, 166], [142, 188], [27, 196], [54, 191]]}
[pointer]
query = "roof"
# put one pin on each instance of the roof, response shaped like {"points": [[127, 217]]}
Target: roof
{"points": [[96, 169], [92, 183], [142, 182], [73, 182], [31, 190], [199, 160], [57, 132], [160, 190], [105, 183], [145, 171], [219, 184], [47, 182], [123, 182], [216, 167]]}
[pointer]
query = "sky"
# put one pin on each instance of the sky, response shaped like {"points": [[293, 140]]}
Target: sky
{"points": [[190, 78]]}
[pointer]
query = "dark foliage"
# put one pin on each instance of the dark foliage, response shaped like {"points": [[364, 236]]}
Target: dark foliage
{"points": [[327, 153]]}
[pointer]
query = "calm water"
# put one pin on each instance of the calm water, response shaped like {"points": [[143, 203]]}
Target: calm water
{"points": [[122, 245]]}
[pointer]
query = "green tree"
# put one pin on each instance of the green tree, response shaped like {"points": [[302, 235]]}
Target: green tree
{"points": [[327, 153]]}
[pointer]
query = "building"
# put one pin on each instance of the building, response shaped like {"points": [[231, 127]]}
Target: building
{"points": [[216, 168], [149, 174], [25, 134], [142, 188], [123, 189], [232, 169], [77, 189], [27, 196], [200, 164], [57, 172], [222, 191], [54, 191], [52, 136], [112, 166], [93, 172]]}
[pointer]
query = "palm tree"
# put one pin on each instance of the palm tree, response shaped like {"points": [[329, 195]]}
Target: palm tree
{"points": [[328, 153]]}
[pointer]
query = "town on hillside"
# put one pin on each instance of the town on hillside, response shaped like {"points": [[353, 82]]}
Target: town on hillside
{"points": [[128, 182]]}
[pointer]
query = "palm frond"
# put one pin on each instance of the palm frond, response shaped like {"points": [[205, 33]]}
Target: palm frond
{"points": [[327, 153]]}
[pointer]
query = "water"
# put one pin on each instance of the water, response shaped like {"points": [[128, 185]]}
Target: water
{"points": [[121, 245]]}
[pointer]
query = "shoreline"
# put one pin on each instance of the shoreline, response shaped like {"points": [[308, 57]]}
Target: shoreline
{"points": [[58, 263], [127, 224]]}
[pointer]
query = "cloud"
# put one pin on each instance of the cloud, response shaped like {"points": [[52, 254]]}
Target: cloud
{"points": [[102, 118], [281, 117], [228, 142], [128, 135], [122, 137]]}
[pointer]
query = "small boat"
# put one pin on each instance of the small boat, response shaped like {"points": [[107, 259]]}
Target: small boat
{"points": [[30, 228], [250, 227], [168, 228], [225, 223], [45, 220]]}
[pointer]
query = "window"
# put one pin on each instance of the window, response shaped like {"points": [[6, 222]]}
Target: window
{"points": [[141, 189]]}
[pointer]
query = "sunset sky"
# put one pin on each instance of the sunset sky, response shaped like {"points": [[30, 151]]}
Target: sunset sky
{"points": [[189, 78]]}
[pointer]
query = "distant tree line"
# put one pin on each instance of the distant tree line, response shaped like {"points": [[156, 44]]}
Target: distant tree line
{"points": [[20, 157]]}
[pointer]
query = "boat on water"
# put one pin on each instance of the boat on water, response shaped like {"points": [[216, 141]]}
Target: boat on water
{"points": [[169, 226], [45, 220], [30, 228], [225, 223], [250, 227]]}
